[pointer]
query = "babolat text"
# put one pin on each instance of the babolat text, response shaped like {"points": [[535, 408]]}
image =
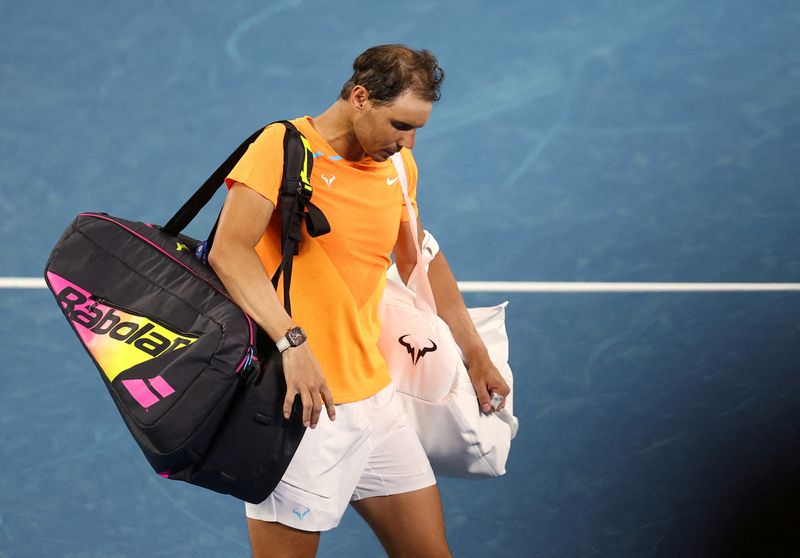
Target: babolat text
{"points": [[132, 329]]}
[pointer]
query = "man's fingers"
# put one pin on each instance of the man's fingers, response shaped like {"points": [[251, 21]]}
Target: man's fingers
{"points": [[316, 409], [312, 405], [288, 401], [308, 404], [502, 405], [304, 378], [503, 389], [330, 406], [484, 399], [323, 395]]}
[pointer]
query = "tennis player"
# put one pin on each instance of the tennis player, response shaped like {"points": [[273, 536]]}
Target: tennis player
{"points": [[361, 450]]}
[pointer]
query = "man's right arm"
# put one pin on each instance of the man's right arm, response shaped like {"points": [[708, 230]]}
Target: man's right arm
{"points": [[244, 218]]}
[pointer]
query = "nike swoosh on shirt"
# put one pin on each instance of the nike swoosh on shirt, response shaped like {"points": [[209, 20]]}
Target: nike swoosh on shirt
{"points": [[391, 181]]}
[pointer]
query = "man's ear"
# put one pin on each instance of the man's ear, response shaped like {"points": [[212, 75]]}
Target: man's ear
{"points": [[359, 97]]}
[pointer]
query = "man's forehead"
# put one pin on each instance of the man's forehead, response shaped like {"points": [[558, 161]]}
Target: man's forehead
{"points": [[410, 108]]}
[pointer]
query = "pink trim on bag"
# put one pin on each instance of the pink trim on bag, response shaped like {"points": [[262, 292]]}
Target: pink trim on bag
{"points": [[241, 365], [170, 256], [164, 474], [140, 392], [161, 386]]}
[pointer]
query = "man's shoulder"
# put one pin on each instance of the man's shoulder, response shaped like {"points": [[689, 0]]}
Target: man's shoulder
{"points": [[275, 131], [271, 138], [302, 124], [276, 128], [408, 161]]}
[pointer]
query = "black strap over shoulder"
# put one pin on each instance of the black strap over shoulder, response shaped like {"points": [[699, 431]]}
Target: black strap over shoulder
{"points": [[294, 200], [294, 204], [204, 193]]}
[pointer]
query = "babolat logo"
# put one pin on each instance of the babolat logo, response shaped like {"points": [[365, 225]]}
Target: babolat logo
{"points": [[117, 339], [417, 346]]}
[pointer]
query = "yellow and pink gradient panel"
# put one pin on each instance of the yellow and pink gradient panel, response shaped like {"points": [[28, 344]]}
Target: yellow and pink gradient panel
{"points": [[117, 340]]}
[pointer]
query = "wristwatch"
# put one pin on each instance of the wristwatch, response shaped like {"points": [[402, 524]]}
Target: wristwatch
{"points": [[294, 337]]}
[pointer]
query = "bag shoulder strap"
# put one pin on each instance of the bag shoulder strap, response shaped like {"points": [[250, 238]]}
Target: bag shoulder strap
{"points": [[294, 204], [206, 191], [294, 199], [419, 277]]}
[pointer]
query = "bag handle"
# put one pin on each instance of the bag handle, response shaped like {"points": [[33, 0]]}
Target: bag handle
{"points": [[419, 277]]}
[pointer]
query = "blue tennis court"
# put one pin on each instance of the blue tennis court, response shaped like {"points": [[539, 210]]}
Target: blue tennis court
{"points": [[591, 142]]}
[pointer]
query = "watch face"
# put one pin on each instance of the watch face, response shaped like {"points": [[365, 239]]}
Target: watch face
{"points": [[295, 336]]}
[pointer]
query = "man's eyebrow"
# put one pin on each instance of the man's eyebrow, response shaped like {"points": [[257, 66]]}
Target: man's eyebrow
{"points": [[402, 123]]}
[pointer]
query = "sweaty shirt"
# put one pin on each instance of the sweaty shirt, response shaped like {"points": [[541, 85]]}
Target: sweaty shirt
{"points": [[338, 278]]}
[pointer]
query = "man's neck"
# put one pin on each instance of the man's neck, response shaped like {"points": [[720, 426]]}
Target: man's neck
{"points": [[335, 126]]}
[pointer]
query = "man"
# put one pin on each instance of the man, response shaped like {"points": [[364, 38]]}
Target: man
{"points": [[362, 450]]}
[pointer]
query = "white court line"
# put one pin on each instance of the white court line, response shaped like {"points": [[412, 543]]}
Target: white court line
{"points": [[598, 287], [541, 286], [22, 283]]}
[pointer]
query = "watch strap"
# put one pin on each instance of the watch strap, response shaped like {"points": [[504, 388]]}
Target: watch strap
{"points": [[283, 344]]}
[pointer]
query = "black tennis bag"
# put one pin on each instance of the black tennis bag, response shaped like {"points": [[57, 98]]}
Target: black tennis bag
{"points": [[198, 384]]}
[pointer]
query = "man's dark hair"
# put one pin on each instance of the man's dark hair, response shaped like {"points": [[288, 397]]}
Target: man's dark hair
{"points": [[387, 71]]}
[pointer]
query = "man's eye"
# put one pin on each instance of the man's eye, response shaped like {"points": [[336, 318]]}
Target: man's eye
{"points": [[400, 126]]}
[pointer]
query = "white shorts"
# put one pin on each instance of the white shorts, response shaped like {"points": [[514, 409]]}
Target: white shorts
{"points": [[369, 450]]}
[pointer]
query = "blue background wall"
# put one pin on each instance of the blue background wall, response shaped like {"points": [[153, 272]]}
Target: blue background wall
{"points": [[588, 141]]}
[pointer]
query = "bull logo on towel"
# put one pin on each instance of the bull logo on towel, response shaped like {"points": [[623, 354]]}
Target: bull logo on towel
{"points": [[415, 348]]}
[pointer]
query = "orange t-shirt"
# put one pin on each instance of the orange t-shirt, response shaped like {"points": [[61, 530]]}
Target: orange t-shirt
{"points": [[338, 278]]}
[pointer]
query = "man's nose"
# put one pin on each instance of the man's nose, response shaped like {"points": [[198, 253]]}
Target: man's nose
{"points": [[407, 139]]}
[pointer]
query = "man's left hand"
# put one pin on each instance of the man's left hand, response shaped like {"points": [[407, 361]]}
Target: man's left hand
{"points": [[486, 379]]}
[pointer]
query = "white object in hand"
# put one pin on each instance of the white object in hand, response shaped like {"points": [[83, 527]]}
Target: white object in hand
{"points": [[496, 400]]}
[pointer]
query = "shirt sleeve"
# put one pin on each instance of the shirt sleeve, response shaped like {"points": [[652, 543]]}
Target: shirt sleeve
{"points": [[411, 174], [261, 167]]}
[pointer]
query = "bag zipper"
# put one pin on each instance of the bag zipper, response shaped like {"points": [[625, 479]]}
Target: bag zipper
{"points": [[100, 300], [249, 352]]}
